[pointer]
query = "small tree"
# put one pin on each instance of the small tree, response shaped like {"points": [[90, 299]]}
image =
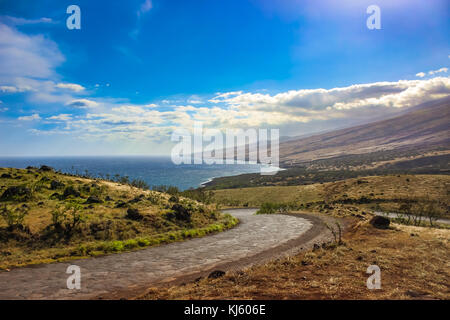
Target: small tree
{"points": [[432, 212], [337, 233], [13, 217], [67, 219]]}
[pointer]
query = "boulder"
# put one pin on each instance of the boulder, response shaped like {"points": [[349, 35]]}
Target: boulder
{"points": [[380, 222]]}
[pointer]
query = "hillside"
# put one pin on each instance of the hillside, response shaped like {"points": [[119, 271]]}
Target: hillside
{"points": [[413, 257], [425, 126], [46, 216], [350, 196]]}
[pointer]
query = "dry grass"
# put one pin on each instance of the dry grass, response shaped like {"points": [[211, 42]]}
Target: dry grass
{"points": [[414, 264], [105, 227], [387, 191]]}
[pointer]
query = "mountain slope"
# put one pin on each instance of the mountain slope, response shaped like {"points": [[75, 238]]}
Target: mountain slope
{"points": [[424, 125]]}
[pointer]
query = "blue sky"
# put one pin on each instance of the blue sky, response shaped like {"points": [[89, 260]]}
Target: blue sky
{"points": [[139, 69]]}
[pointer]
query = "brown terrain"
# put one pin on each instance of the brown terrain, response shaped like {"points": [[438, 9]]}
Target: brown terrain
{"points": [[424, 125]]}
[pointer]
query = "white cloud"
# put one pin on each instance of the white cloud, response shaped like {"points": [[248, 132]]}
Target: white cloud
{"points": [[145, 7], [432, 72], [70, 86], [420, 74], [26, 56], [61, 117], [116, 120], [9, 89], [32, 117], [82, 103], [22, 21]]}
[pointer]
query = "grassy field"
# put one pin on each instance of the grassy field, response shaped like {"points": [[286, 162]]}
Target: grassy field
{"points": [[46, 216], [414, 263], [414, 260], [382, 193]]}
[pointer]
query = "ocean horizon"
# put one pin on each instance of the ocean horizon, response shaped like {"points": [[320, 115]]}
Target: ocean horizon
{"points": [[154, 170]]}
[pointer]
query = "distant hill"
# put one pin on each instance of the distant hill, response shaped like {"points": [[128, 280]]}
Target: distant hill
{"points": [[423, 127]]}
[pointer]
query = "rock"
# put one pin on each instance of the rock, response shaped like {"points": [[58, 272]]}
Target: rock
{"points": [[6, 176], [380, 222], [108, 198], [134, 214], [45, 168], [16, 193], [316, 247], [216, 274], [93, 199], [71, 192], [54, 184]]}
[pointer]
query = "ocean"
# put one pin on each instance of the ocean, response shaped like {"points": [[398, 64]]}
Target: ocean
{"points": [[154, 171]]}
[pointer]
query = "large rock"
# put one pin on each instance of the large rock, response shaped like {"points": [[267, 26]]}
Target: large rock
{"points": [[380, 222]]}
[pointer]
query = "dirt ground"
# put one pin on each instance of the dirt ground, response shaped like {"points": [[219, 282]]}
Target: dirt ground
{"points": [[414, 263]]}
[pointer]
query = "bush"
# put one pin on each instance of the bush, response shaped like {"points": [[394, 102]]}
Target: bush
{"points": [[13, 218], [131, 244], [134, 214], [16, 193], [143, 242], [268, 208]]}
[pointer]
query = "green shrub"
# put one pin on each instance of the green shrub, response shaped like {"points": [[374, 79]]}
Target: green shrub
{"points": [[131, 244], [13, 218]]}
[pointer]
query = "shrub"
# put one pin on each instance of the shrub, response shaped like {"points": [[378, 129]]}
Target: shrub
{"points": [[268, 208], [16, 193], [134, 214], [143, 242], [13, 218], [131, 244], [115, 246]]}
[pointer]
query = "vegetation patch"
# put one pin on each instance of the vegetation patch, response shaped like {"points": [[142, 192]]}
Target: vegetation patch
{"points": [[46, 216]]}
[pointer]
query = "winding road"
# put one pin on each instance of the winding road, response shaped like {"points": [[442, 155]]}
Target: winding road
{"points": [[256, 239]]}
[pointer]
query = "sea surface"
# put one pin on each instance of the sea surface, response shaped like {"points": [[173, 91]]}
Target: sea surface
{"points": [[154, 171]]}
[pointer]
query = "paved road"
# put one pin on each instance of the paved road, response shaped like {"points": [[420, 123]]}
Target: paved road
{"points": [[121, 272]]}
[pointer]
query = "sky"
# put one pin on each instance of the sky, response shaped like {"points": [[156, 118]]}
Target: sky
{"points": [[137, 70]]}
